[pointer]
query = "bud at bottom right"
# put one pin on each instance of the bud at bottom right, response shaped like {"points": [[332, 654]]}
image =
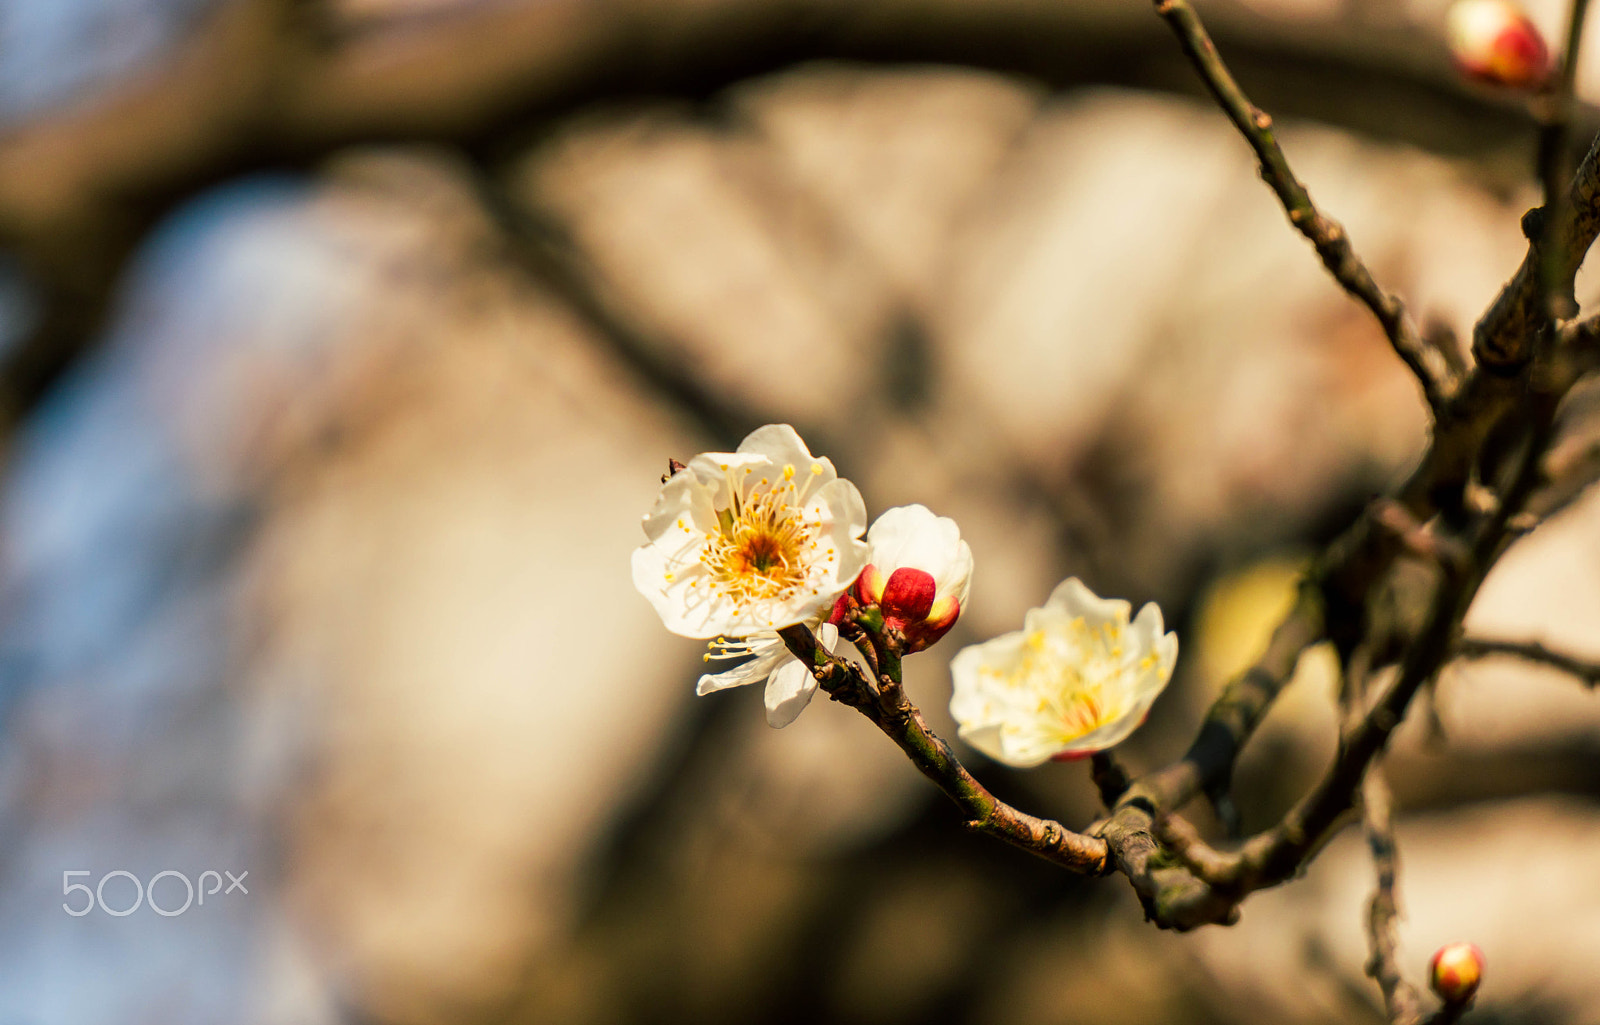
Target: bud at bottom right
{"points": [[1455, 971]]}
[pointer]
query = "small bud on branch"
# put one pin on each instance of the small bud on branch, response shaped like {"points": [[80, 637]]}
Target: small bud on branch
{"points": [[1455, 972], [1493, 41]]}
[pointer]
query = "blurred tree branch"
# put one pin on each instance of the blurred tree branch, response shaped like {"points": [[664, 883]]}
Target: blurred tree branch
{"points": [[1555, 170], [276, 83], [1400, 998], [1586, 671]]}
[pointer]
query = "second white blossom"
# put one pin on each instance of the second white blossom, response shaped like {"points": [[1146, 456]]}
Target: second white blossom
{"points": [[1076, 679]]}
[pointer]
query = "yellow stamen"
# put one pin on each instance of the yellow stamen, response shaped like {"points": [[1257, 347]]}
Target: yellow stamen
{"points": [[755, 555]]}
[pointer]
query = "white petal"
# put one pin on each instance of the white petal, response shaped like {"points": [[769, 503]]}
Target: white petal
{"points": [[1075, 599], [1167, 652], [781, 446], [978, 699], [670, 570], [685, 609], [1112, 733], [1027, 744], [1001, 702], [767, 654], [844, 519], [985, 739], [712, 470], [1145, 631], [956, 578], [912, 536], [675, 501], [892, 532], [789, 691], [738, 676]]}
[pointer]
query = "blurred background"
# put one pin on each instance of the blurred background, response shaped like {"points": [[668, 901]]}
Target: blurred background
{"points": [[342, 345]]}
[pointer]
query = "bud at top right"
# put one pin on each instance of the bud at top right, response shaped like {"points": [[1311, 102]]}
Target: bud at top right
{"points": [[1493, 41]]}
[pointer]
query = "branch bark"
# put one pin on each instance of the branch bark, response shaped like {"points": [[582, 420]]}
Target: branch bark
{"points": [[887, 706], [1555, 171], [1433, 370]]}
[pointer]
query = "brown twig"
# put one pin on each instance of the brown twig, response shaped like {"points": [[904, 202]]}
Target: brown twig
{"points": [[1585, 671], [1274, 855], [1212, 883], [1400, 998], [1503, 340], [1236, 713], [903, 723], [1432, 369], [1109, 778], [1555, 173], [1571, 468]]}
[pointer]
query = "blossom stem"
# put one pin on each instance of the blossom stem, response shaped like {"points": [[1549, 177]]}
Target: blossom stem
{"points": [[902, 721], [889, 670]]}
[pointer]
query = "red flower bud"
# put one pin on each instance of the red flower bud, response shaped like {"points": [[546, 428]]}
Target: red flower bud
{"points": [[918, 576], [1493, 41], [909, 602], [1455, 971], [907, 596]]}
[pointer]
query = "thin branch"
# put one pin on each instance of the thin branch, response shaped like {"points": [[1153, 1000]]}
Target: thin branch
{"points": [[1109, 777], [1571, 467], [1428, 363], [903, 723], [1209, 885], [1416, 539], [1555, 173], [1586, 671], [1503, 340], [1237, 711], [1400, 998], [1274, 855]]}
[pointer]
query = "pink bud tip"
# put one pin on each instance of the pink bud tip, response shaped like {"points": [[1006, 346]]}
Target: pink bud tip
{"points": [[1493, 41], [1455, 971], [908, 595]]}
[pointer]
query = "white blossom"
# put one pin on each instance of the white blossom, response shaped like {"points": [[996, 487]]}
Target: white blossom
{"points": [[1077, 678], [747, 542]]}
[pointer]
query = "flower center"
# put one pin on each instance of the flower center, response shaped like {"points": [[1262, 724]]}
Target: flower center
{"points": [[762, 552], [758, 551], [1082, 711], [1069, 675]]}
